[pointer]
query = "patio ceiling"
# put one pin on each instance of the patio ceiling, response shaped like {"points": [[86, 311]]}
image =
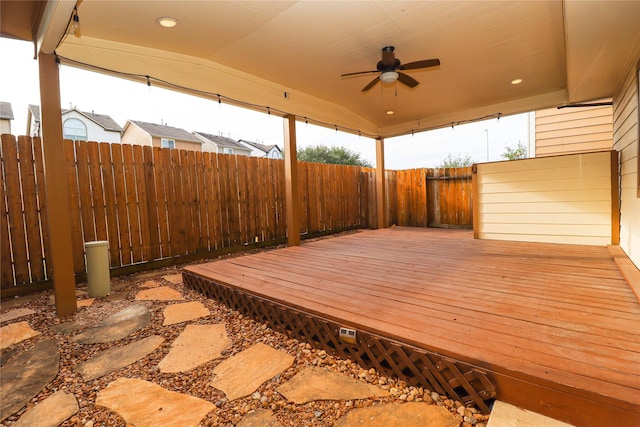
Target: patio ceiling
{"points": [[256, 52]]}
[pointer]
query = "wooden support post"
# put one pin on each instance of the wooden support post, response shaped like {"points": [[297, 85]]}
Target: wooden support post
{"points": [[58, 218], [291, 181], [475, 201], [615, 199], [381, 191]]}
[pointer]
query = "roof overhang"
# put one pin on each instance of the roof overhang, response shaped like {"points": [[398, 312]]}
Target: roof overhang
{"points": [[288, 56]]}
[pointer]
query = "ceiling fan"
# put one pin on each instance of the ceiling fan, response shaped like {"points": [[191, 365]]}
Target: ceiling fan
{"points": [[390, 69]]}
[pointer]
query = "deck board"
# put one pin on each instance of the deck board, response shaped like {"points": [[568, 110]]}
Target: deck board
{"points": [[557, 314]]}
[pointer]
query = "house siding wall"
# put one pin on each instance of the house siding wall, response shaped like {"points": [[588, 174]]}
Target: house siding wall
{"points": [[563, 199], [573, 130], [95, 132], [625, 139], [135, 136], [180, 145], [5, 126]]}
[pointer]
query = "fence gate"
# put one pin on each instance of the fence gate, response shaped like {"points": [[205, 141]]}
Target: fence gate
{"points": [[449, 198]]}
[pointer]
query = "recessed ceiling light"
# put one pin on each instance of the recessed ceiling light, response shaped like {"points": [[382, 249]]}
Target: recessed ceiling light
{"points": [[167, 22], [516, 81], [390, 112]]}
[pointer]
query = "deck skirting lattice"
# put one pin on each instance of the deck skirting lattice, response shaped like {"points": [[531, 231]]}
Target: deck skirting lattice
{"points": [[415, 366]]}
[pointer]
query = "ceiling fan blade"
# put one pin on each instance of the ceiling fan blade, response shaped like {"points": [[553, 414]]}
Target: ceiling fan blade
{"points": [[359, 73], [407, 80], [425, 63], [371, 84]]}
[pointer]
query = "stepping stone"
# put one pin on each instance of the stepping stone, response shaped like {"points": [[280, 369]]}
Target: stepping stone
{"points": [[116, 327], [196, 345], [51, 412], [14, 333], [26, 375], [145, 404], [177, 313], [413, 414], [150, 284], [117, 358], [506, 415], [242, 374], [67, 328], [15, 314], [259, 418], [162, 293], [85, 302], [174, 278], [321, 384]]}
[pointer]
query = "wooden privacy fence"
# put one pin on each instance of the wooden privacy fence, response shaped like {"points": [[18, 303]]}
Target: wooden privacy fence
{"points": [[430, 197], [152, 204]]}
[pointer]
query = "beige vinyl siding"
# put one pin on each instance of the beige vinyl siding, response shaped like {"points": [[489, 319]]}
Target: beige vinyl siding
{"points": [[625, 137], [135, 136], [574, 130], [562, 199]]}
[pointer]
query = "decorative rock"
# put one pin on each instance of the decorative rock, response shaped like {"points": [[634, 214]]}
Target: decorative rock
{"points": [[242, 374], [26, 375], [162, 293], [85, 302], [14, 333], [184, 312], [259, 418], [117, 357], [15, 314], [50, 412], [406, 415], [196, 345], [145, 404], [321, 384], [174, 278], [150, 284], [115, 327]]}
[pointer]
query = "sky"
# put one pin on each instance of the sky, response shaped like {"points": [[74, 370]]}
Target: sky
{"points": [[125, 100]]}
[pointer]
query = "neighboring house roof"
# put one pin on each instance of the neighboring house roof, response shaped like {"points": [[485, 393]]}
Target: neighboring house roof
{"points": [[222, 141], [261, 147], [164, 131], [102, 120], [6, 112]]}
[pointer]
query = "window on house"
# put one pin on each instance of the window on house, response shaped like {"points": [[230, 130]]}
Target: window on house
{"points": [[74, 130], [168, 143], [228, 150]]}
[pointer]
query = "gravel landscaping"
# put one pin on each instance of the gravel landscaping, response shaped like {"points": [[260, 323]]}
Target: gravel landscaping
{"points": [[243, 333]]}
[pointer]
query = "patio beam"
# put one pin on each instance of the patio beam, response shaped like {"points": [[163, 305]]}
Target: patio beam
{"points": [[381, 192], [292, 196], [64, 285]]}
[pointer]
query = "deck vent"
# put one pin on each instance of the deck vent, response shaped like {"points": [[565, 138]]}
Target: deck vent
{"points": [[348, 336]]}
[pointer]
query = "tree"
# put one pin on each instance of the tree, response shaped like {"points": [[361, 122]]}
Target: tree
{"points": [[458, 161], [331, 155], [520, 152]]}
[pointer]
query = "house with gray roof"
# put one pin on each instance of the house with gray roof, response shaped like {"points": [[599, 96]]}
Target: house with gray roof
{"points": [[159, 135], [220, 144], [261, 150], [79, 125], [6, 116]]}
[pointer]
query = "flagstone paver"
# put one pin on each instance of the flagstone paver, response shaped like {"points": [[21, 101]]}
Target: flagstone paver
{"points": [[173, 278], [85, 302], [196, 345], [145, 404], [177, 313], [507, 415], [117, 357], [15, 314], [321, 384], [27, 374], [15, 332], [51, 412], [115, 327], [259, 418], [161, 293], [241, 374], [413, 414], [67, 328], [150, 284]]}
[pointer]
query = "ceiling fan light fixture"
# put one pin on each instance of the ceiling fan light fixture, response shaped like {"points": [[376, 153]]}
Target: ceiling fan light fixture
{"points": [[389, 77], [167, 22]]}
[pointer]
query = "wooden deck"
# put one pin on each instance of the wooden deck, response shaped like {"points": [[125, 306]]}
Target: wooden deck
{"points": [[556, 328]]}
